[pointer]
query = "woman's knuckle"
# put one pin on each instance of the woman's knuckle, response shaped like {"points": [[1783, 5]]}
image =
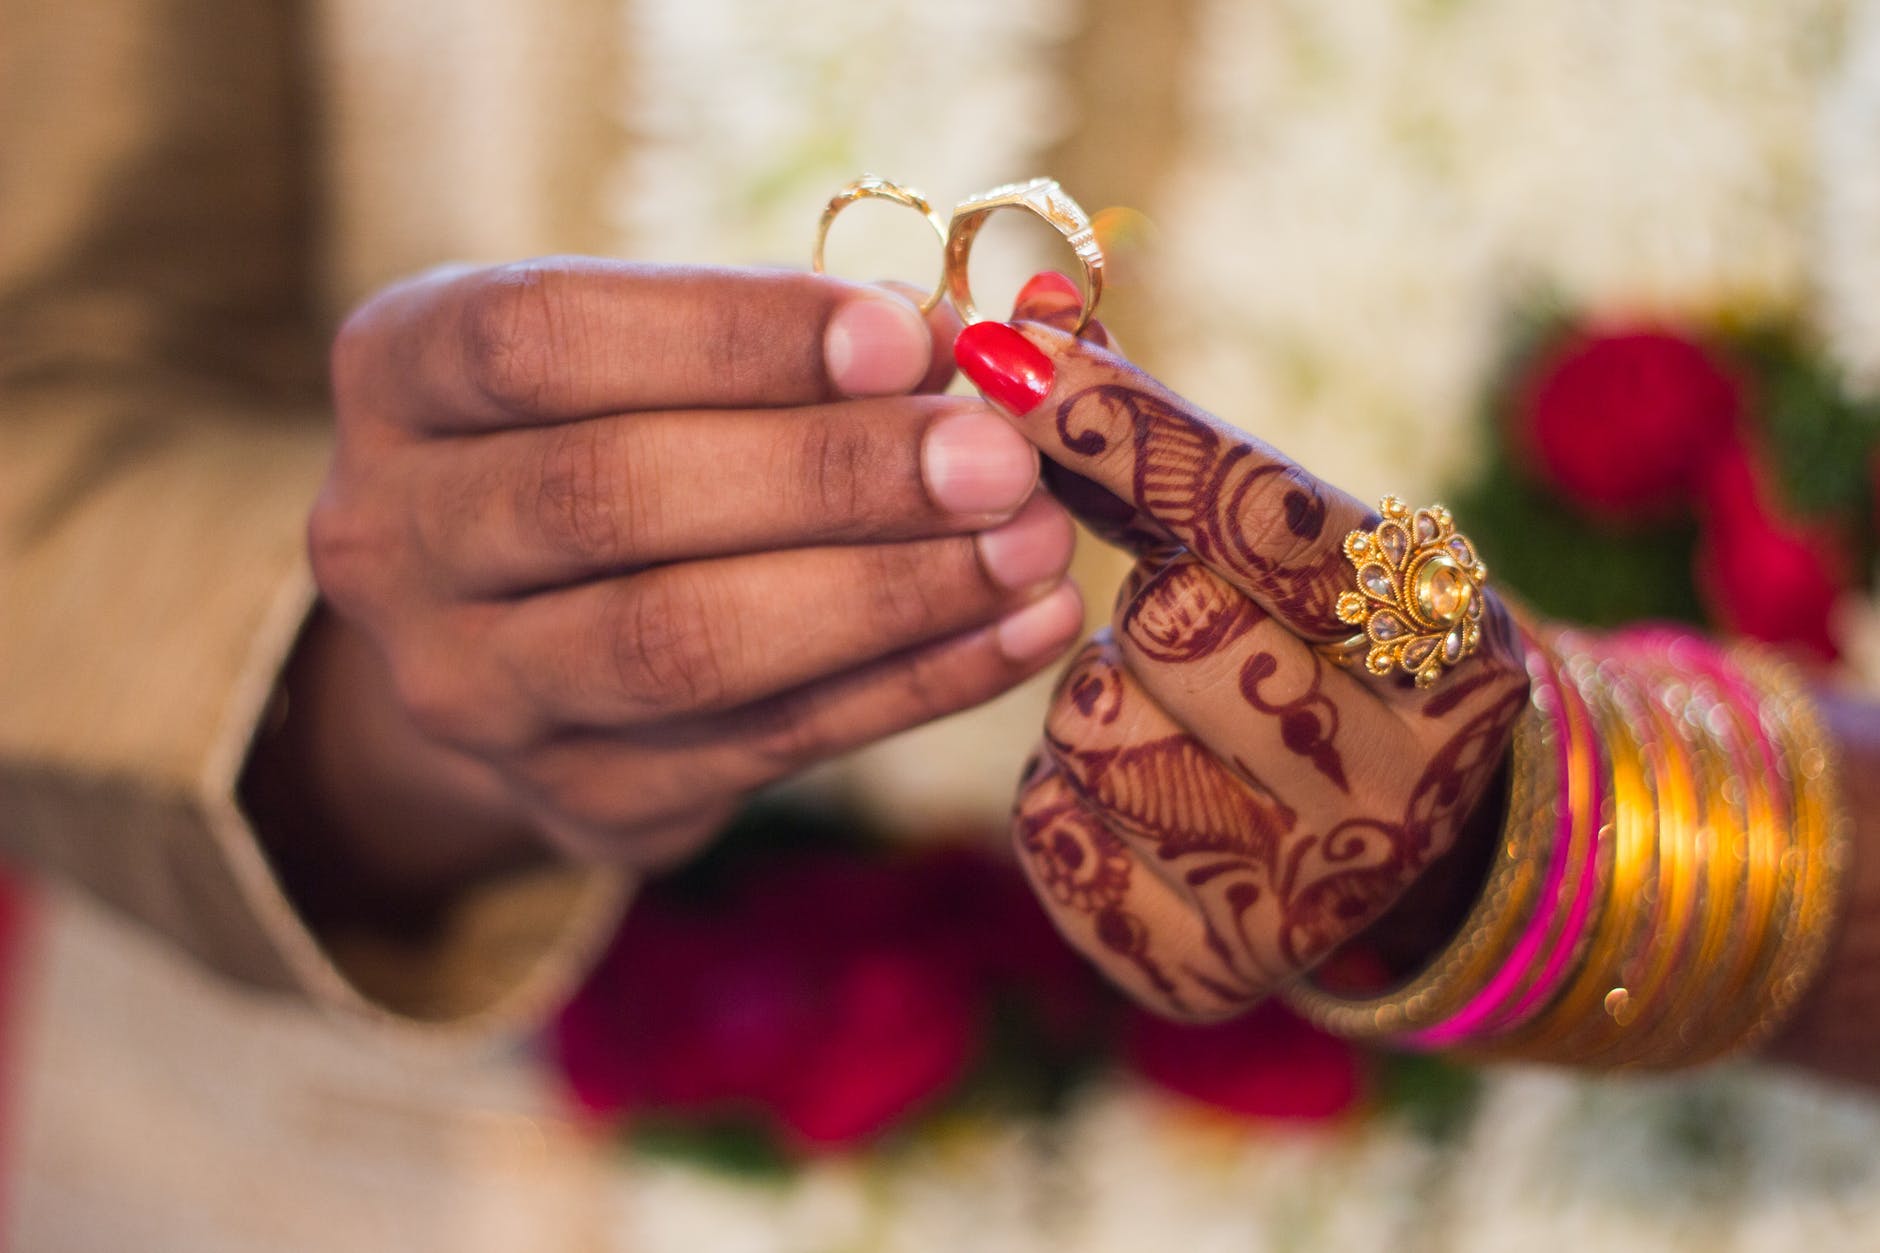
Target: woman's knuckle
{"points": [[1261, 519]]}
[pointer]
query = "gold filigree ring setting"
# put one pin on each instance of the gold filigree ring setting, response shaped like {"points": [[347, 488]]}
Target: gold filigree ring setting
{"points": [[1418, 602], [874, 187], [1043, 198]]}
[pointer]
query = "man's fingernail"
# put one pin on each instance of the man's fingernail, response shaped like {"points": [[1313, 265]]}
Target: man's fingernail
{"points": [[1004, 365], [1042, 628], [877, 346], [975, 463], [1047, 283], [1031, 548]]}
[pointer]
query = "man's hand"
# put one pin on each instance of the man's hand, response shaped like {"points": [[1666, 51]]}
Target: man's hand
{"points": [[623, 543]]}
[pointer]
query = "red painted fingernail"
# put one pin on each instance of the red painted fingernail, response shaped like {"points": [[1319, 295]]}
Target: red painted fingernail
{"points": [[1047, 283], [1004, 365]]}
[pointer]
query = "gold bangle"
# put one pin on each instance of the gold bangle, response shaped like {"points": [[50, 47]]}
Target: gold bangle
{"points": [[1739, 824], [1773, 872], [1726, 879], [1681, 899], [1815, 864], [1587, 860], [1628, 870]]}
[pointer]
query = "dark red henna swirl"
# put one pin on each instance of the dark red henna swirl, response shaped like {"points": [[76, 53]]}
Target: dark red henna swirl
{"points": [[1176, 795], [1183, 613], [1111, 518], [1334, 886], [1308, 723], [1227, 504], [1092, 686], [1085, 867]]}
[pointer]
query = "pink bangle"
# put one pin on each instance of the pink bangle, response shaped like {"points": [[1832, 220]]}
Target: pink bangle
{"points": [[1586, 806], [1489, 1011]]}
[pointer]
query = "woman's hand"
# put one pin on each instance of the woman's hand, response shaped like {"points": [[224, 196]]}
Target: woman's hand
{"points": [[622, 543], [1216, 805]]}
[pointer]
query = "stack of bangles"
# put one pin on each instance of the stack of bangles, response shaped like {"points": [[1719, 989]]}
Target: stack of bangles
{"points": [[1668, 873]]}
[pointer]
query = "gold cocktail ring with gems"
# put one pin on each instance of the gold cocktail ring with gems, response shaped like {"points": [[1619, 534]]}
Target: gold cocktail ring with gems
{"points": [[1419, 598], [1044, 198], [873, 187]]}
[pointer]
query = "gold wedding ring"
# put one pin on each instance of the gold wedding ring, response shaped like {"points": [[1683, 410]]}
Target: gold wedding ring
{"points": [[874, 187], [1418, 602], [1043, 198]]}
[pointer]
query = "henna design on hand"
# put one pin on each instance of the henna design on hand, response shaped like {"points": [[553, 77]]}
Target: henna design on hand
{"points": [[1272, 896], [1308, 723], [1110, 518], [1175, 794], [1207, 488], [1183, 613], [1216, 834], [1083, 866], [1334, 886], [1093, 687]]}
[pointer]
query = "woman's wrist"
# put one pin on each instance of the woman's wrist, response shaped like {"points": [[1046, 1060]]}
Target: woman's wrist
{"points": [[1836, 1030]]}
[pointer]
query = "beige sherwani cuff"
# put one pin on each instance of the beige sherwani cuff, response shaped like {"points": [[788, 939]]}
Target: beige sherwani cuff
{"points": [[149, 600]]}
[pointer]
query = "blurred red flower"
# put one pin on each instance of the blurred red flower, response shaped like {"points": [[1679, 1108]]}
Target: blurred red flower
{"points": [[1761, 574], [805, 1000], [979, 904], [1268, 1063], [1622, 421], [828, 995]]}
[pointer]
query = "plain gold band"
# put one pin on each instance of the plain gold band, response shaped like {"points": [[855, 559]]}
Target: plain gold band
{"points": [[872, 187]]}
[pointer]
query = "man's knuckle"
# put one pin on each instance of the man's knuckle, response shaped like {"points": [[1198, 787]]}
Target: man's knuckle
{"points": [[433, 698], [930, 686], [906, 588], [785, 741], [575, 501], [513, 325], [734, 337], [839, 465], [665, 656], [351, 357], [344, 550]]}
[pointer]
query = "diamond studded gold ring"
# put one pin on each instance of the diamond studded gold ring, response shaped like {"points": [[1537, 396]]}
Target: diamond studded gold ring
{"points": [[1418, 603]]}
